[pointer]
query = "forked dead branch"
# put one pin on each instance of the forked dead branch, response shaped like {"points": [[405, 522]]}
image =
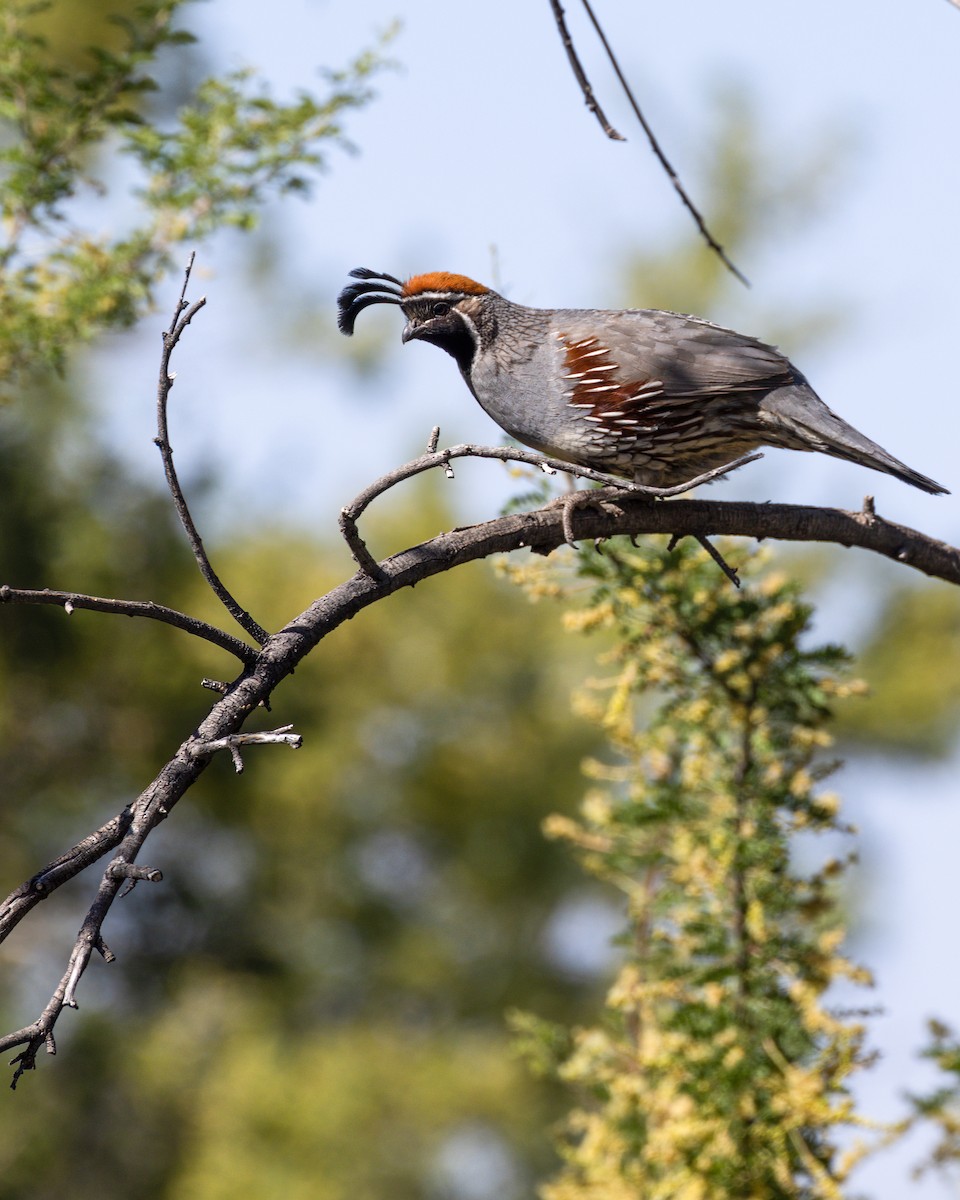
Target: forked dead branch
{"points": [[621, 510]]}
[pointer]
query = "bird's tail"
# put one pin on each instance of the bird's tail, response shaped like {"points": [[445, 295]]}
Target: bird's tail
{"points": [[804, 422]]}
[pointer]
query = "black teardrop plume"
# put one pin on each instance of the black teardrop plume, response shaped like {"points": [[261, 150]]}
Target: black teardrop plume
{"points": [[366, 273], [357, 296]]}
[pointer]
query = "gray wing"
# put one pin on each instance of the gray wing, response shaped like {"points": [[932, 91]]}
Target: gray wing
{"points": [[687, 356]]}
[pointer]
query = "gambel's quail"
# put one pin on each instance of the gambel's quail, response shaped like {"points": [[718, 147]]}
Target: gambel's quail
{"points": [[651, 396]]}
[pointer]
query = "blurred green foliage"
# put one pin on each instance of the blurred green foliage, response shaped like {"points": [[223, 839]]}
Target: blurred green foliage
{"points": [[941, 1107], [911, 658], [718, 1069], [225, 148]]}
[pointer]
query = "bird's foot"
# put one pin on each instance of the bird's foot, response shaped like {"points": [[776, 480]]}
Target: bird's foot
{"points": [[570, 502]]}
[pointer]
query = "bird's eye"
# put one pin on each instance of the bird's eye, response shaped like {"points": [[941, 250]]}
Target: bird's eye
{"points": [[441, 308]]}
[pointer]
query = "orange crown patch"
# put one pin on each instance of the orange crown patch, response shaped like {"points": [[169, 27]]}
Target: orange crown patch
{"points": [[442, 281]]}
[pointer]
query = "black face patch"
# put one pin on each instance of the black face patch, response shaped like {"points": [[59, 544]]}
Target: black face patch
{"points": [[438, 322]]}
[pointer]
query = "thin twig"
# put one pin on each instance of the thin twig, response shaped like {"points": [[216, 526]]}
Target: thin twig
{"points": [[358, 547], [721, 562], [133, 871], [183, 315], [714, 553], [664, 161], [63, 868], [441, 458], [40, 1034], [233, 741], [70, 601], [655, 146], [581, 75]]}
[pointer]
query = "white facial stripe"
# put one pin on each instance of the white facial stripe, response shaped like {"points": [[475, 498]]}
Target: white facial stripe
{"points": [[453, 297], [470, 326]]}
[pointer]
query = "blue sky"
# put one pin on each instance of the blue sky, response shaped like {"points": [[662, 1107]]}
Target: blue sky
{"points": [[480, 139]]}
